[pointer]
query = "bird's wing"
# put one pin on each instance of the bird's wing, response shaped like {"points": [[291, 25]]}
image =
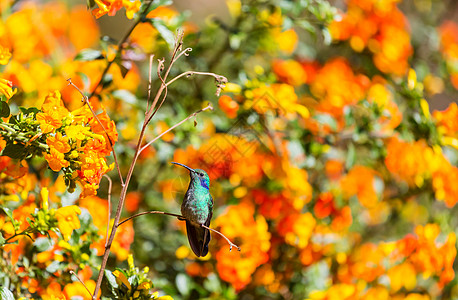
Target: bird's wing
{"points": [[207, 236]]}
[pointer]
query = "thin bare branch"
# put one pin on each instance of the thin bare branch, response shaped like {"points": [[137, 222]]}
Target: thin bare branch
{"points": [[220, 80], [110, 184], [209, 106], [73, 273], [149, 81], [149, 212], [86, 100], [120, 48], [231, 244], [181, 218], [185, 52]]}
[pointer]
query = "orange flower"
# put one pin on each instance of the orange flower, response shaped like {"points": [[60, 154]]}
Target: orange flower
{"points": [[108, 125], [133, 199], [83, 30], [238, 267], [229, 106], [56, 160], [77, 290], [446, 120], [6, 88], [360, 182], [411, 162], [163, 12], [161, 127], [402, 275], [58, 142], [324, 205], [430, 258], [336, 86], [289, 71], [342, 219], [122, 241], [77, 132], [98, 208], [49, 121], [449, 45], [443, 183], [334, 169], [67, 220], [381, 27], [111, 7], [277, 98], [285, 40], [297, 229], [53, 105]]}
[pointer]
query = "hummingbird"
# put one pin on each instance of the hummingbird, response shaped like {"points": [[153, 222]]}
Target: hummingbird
{"points": [[197, 209]]}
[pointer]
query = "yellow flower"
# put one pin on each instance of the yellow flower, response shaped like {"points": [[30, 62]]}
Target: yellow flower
{"points": [[411, 79], [402, 275], [101, 10], [49, 121], [5, 55], [131, 8], [121, 278], [286, 40], [45, 198], [67, 220], [53, 103], [77, 132], [59, 142], [166, 297], [6, 88]]}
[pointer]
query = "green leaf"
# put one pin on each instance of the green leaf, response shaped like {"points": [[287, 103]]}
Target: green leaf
{"points": [[5, 294], [29, 110], [53, 267], [109, 285], [15, 151], [183, 283], [90, 4], [165, 33], [4, 110], [2, 239], [351, 156], [9, 213], [88, 55], [42, 244], [125, 96]]}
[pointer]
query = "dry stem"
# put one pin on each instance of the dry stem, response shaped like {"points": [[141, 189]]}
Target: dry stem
{"points": [[86, 100], [150, 112], [73, 273], [209, 106], [110, 184], [181, 218]]}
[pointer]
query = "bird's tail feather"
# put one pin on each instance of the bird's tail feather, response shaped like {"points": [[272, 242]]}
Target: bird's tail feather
{"points": [[198, 238]]}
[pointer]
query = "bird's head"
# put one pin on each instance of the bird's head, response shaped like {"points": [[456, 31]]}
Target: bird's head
{"points": [[197, 175]]}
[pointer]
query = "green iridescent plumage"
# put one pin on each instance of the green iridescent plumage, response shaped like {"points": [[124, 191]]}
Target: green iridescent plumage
{"points": [[197, 209]]}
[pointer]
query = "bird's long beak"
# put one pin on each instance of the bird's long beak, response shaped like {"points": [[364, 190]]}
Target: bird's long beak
{"points": [[184, 166]]}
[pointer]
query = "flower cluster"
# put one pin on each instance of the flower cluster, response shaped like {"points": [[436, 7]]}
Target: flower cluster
{"points": [[78, 142], [111, 7], [449, 44], [380, 27], [416, 162]]}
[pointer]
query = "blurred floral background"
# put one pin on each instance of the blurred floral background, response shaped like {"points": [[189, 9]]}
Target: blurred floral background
{"points": [[331, 150]]}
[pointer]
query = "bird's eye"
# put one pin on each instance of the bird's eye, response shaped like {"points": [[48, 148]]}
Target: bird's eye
{"points": [[201, 174]]}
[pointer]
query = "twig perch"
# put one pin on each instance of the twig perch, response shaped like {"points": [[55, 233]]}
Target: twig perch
{"points": [[181, 218]]}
